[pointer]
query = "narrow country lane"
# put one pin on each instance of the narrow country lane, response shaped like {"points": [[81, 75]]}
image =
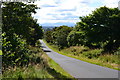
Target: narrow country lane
{"points": [[78, 68]]}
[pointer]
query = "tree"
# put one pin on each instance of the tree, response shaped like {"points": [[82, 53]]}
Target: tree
{"points": [[61, 36], [17, 19], [58, 36], [102, 26], [48, 36], [75, 38], [19, 30]]}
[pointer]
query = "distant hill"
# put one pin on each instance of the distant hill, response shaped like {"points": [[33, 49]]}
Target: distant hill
{"points": [[58, 24], [47, 28]]}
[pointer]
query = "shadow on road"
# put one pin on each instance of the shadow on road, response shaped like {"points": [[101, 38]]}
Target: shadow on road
{"points": [[46, 50]]}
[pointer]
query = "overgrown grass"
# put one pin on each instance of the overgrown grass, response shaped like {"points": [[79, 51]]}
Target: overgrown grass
{"points": [[35, 69], [40, 66], [27, 72], [0, 52], [89, 55]]}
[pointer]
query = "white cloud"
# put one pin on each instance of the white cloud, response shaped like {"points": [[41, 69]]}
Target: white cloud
{"points": [[54, 11], [111, 3]]}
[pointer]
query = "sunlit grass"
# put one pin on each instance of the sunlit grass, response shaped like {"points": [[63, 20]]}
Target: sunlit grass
{"points": [[27, 72], [0, 52], [43, 68], [35, 69], [57, 68]]}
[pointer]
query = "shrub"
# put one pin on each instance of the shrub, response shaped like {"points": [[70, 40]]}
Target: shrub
{"points": [[15, 51], [110, 58], [92, 53]]}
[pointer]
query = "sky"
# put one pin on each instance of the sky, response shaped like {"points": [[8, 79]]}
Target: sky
{"points": [[67, 12]]}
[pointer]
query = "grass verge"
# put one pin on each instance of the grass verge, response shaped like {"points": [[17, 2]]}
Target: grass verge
{"points": [[57, 71], [35, 69], [110, 61], [40, 66], [0, 52]]}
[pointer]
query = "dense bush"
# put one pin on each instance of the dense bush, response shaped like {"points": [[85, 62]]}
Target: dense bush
{"points": [[92, 53], [58, 36], [48, 36], [98, 30], [16, 18], [110, 58], [75, 38], [19, 31], [15, 51]]}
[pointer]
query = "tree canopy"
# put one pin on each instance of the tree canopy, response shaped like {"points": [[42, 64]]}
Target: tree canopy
{"points": [[19, 30], [102, 26], [100, 29], [58, 36], [17, 19]]}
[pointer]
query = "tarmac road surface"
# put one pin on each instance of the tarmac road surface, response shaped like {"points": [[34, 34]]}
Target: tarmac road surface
{"points": [[78, 68]]}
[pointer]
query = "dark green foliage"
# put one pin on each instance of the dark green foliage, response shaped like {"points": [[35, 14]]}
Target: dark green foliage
{"points": [[15, 51], [48, 36], [58, 36], [75, 38], [99, 30], [17, 19], [92, 53], [36, 34], [18, 31], [61, 36], [103, 26]]}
